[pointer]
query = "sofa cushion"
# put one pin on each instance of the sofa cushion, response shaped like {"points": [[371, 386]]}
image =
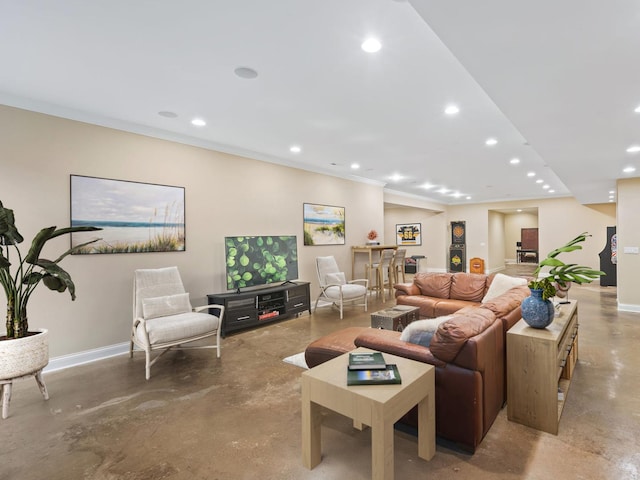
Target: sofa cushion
{"points": [[452, 334], [505, 303], [177, 327], [421, 331], [500, 284], [468, 286], [427, 305], [436, 285], [332, 345]]}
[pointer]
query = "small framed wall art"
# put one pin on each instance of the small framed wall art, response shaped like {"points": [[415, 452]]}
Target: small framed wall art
{"points": [[323, 224], [409, 234]]}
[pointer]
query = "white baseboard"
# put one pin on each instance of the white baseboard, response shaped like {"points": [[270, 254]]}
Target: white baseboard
{"points": [[494, 270], [88, 356], [625, 307]]}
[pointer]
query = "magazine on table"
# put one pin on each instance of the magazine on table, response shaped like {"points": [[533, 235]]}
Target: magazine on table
{"points": [[388, 375], [366, 361]]}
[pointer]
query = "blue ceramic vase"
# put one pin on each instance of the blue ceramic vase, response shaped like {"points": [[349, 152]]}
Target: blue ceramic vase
{"points": [[538, 313]]}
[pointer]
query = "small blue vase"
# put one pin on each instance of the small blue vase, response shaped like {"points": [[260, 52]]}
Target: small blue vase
{"points": [[538, 313]]}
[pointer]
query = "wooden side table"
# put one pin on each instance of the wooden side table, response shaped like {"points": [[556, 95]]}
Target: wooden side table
{"points": [[540, 364], [378, 406]]}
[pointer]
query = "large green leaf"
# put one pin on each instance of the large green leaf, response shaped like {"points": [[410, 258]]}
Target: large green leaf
{"points": [[63, 279], [37, 243], [47, 234], [8, 232]]}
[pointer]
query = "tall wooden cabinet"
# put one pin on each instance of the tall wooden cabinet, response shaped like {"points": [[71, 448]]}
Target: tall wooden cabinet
{"points": [[540, 364]]}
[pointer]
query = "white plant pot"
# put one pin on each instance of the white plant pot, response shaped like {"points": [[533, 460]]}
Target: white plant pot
{"points": [[24, 356]]}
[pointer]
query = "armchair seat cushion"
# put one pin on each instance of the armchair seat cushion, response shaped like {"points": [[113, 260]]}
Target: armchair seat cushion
{"points": [[349, 291], [177, 327]]}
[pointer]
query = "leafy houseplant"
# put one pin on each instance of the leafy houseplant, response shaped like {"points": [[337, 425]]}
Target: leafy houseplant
{"points": [[561, 272], [20, 278]]}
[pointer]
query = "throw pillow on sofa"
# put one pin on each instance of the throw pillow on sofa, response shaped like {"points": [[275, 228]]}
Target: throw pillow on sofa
{"points": [[421, 331], [500, 284]]}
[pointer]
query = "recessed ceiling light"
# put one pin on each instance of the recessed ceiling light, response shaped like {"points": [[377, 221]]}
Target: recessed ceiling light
{"points": [[633, 149], [443, 190], [629, 169], [637, 109], [612, 191], [198, 122], [611, 197], [545, 186], [539, 180], [295, 149], [245, 72], [491, 142], [168, 114], [456, 195], [519, 210], [396, 177], [514, 161], [427, 186], [371, 45], [610, 201], [552, 191], [355, 166], [451, 110], [531, 174], [468, 198]]}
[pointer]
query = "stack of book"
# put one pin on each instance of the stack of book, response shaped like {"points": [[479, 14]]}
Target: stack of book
{"points": [[370, 368]]}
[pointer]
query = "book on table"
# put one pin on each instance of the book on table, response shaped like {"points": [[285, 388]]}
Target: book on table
{"points": [[388, 375], [366, 361]]}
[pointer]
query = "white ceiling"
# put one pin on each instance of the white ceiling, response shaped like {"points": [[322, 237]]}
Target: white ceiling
{"points": [[556, 83]]}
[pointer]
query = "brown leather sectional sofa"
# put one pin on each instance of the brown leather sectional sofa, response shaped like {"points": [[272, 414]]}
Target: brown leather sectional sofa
{"points": [[468, 351], [440, 294]]}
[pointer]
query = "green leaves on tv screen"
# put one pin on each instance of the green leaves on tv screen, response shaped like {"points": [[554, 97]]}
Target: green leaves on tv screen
{"points": [[260, 260]]}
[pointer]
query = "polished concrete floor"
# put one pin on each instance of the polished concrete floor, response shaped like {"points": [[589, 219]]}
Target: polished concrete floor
{"points": [[239, 417]]}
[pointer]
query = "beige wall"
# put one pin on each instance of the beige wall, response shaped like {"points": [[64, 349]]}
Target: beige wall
{"points": [[225, 195], [559, 220], [434, 230], [513, 225], [496, 241], [628, 236], [228, 195]]}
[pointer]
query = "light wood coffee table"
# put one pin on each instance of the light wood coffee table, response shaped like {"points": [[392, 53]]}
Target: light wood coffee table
{"points": [[378, 406]]}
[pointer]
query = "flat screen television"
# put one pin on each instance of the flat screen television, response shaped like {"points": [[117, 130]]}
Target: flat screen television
{"points": [[259, 260]]}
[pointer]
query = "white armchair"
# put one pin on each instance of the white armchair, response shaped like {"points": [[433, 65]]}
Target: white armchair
{"points": [[335, 288], [163, 317]]}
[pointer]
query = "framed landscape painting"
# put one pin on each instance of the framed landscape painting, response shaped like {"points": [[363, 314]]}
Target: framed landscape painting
{"points": [[323, 224], [134, 217], [409, 234]]}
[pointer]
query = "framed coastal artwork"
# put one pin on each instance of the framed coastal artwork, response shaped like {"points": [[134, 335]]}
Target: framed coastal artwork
{"points": [[323, 224], [409, 234], [135, 217]]}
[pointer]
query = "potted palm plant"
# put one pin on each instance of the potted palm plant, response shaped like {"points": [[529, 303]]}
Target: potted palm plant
{"points": [[537, 310], [24, 352]]}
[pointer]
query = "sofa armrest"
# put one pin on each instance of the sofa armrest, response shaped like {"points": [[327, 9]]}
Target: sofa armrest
{"points": [[406, 289], [389, 341]]}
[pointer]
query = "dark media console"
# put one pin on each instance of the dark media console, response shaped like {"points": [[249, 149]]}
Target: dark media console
{"points": [[257, 307]]}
